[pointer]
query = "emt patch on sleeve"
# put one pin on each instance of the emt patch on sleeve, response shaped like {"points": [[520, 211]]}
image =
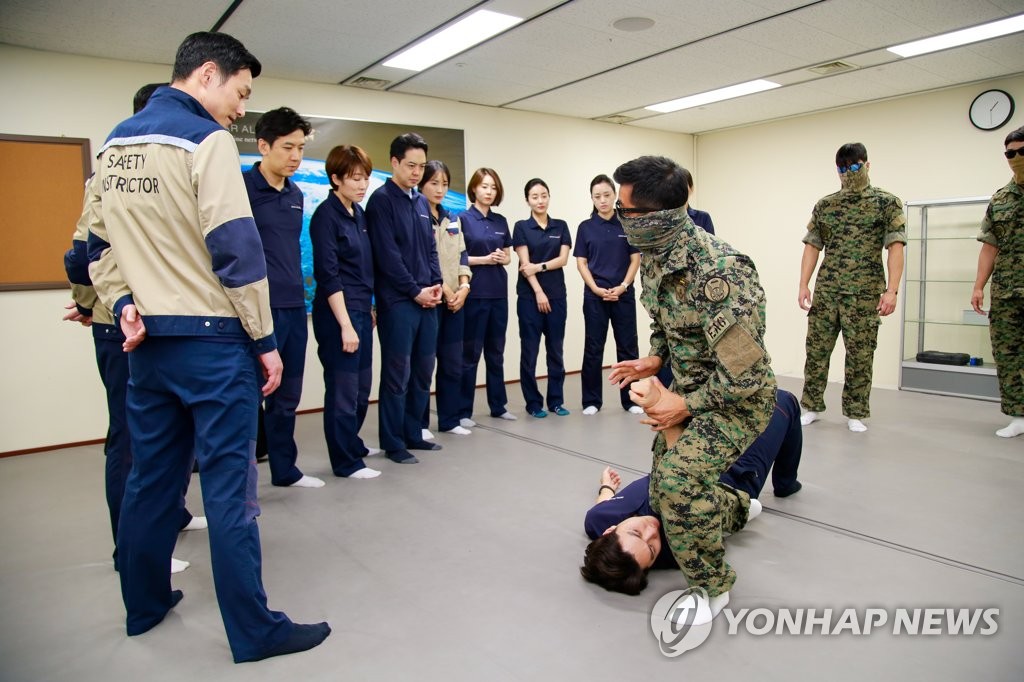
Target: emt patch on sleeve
{"points": [[733, 344]]}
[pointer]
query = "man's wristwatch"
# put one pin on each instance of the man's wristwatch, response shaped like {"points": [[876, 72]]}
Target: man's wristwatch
{"points": [[543, 267], [464, 285]]}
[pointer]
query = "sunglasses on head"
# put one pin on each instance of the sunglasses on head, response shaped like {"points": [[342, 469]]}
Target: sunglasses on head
{"points": [[1010, 153], [852, 168]]}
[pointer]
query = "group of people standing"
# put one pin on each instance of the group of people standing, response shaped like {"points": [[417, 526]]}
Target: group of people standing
{"points": [[198, 270]]}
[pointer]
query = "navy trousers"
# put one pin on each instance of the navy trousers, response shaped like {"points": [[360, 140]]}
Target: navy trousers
{"points": [[486, 324], [533, 324], [408, 344], [189, 395], [451, 331], [347, 380], [292, 333], [596, 316], [112, 363], [780, 444]]}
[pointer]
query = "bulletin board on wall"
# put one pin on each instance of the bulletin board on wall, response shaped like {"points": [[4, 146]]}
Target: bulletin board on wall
{"points": [[42, 183]]}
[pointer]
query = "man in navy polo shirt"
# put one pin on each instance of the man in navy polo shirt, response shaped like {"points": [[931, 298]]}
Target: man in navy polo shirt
{"points": [[628, 538], [407, 283], [277, 208]]}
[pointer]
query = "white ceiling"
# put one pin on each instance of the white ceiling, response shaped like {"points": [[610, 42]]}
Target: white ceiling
{"points": [[566, 58]]}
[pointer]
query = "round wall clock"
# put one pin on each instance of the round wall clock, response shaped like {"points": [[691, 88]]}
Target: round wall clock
{"points": [[991, 109]]}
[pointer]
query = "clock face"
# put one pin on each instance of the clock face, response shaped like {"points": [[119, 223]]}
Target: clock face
{"points": [[991, 109]]}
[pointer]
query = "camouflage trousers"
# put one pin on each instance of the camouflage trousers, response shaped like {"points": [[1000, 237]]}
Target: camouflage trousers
{"points": [[1006, 329], [857, 318], [696, 509]]}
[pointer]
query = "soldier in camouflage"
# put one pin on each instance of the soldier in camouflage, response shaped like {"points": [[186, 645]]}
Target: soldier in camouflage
{"points": [[1002, 258], [850, 293], [707, 312]]}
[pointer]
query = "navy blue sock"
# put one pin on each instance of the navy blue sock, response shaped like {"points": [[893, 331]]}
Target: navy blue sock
{"points": [[303, 638]]}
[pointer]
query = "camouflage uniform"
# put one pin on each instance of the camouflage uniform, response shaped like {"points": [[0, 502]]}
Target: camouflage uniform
{"points": [[708, 317], [851, 226], [1003, 228]]}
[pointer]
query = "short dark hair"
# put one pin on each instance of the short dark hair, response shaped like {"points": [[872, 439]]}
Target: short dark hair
{"points": [[478, 176], [689, 180], [142, 96], [403, 143], [1014, 136], [657, 182], [601, 179], [851, 153], [433, 168], [227, 52], [613, 568], [344, 160], [280, 122], [533, 183]]}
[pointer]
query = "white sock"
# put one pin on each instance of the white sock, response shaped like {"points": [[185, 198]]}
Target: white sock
{"points": [[856, 425], [365, 472], [755, 509], [178, 565], [636, 409], [1014, 428], [308, 482], [589, 410], [459, 431], [197, 523], [373, 451], [808, 417], [706, 609], [508, 416], [467, 423], [425, 434]]}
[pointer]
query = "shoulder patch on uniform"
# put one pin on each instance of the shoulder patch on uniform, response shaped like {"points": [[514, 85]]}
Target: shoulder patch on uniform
{"points": [[737, 350], [716, 289]]}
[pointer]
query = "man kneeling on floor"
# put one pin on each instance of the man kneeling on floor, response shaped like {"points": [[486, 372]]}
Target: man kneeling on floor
{"points": [[628, 539]]}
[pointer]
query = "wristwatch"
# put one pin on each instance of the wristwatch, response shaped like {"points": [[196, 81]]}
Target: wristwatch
{"points": [[544, 267]]}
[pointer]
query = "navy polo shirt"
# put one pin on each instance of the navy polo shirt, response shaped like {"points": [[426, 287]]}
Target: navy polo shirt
{"points": [[342, 257], [278, 216], [701, 219], [484, 234], [632, 500], [404, 253], [542, 245], [603, 243]]}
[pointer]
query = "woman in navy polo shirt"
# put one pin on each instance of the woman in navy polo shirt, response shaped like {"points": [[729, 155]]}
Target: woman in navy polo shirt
{"points": [[342, 316], [451, 317], [608, 265], [488, 244], [542, 244]]}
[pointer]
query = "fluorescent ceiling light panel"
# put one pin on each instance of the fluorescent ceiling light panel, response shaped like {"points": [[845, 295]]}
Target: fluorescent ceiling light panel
{"points": [[476, 28], [963, 37], [748, 88]]}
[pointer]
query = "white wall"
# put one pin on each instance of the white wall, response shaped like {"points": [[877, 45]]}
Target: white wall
{"points": [[760, 182], [52, 394]]}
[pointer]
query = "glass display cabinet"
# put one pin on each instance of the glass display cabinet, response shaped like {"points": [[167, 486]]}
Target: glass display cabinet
{"points": [[942, 262]]}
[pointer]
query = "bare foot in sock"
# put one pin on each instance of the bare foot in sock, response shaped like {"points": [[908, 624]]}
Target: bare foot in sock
{"points": [[197, 523], [1013, 429], [308, 482], [303, 638]]}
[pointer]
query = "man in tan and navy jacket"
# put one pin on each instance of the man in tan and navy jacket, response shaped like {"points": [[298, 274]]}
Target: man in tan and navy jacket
{"points": [[174, 252], [112, 362]]}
